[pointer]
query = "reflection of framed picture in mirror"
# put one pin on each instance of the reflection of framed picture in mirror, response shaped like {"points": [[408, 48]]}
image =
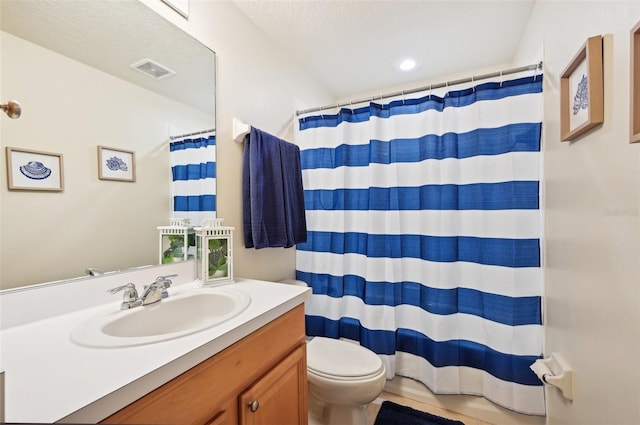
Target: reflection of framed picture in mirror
{"points": [[635, 84], [581, 91], [116, 164], [34, 170]]}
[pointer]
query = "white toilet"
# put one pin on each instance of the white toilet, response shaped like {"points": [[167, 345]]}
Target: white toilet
{"points": [[343, 378]]}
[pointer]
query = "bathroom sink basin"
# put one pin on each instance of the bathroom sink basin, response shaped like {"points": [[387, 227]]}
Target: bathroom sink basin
{"points": [[177, 316]]}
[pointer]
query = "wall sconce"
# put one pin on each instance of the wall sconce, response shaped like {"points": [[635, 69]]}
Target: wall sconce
{"points": [[12, 109], [214, 247], [177, 241]]}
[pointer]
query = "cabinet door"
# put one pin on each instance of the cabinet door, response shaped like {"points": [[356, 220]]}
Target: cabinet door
{"points": [[280, 396]]}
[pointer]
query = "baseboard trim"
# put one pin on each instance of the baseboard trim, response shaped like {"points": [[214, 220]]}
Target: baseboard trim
{"points": [[472, 406]]}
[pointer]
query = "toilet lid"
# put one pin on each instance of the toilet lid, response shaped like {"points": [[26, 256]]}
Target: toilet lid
{"points": [[341, 359]]}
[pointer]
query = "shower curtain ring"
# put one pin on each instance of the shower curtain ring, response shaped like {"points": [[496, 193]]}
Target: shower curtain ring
{"points": [[500, 78], [473, 84]]}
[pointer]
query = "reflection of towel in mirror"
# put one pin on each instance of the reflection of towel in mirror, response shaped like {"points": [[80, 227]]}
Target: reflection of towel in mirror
{"points": [[272, 193]]}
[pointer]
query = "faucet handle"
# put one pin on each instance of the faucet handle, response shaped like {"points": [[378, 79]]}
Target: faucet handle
{"points": [[165, 281], [130, 292]]}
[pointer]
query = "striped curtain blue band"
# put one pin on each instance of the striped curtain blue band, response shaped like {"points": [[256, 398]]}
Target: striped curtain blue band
{"points": [[194, 171], [522, 340], [459, 98], [512, 195], [488, 251], [508, 367], [192, 144], [521, 137], [194, 203], [512, 311]]}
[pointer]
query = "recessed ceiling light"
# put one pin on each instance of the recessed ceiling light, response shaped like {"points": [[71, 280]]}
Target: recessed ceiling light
{"points": [[407, 64]]}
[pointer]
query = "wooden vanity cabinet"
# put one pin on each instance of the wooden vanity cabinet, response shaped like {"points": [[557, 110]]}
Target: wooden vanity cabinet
{"points": [[259, 380]]}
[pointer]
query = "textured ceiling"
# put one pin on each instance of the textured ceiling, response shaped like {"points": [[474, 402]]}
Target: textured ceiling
{"points": [[112, 35], [352, 47]]}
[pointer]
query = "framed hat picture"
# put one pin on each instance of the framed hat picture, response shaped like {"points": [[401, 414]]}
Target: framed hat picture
{"points": [[34, 170]]}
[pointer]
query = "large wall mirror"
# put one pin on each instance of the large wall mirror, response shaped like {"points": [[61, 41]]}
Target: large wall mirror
{"points": [[69, 64]]}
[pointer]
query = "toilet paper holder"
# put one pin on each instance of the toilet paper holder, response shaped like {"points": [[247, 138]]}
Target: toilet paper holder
{"points": [[555, 371]]}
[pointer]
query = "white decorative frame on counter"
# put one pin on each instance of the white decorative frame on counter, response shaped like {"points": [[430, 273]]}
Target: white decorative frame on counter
{"points": [[635, 85], [214, 253], [582, 91], [34, 170], [116, 164]]}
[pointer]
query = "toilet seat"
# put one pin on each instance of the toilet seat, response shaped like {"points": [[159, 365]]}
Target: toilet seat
{"points": [[341, 360]]}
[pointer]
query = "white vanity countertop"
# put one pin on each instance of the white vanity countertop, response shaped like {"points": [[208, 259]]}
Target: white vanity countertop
{"points": [[48, 378]]}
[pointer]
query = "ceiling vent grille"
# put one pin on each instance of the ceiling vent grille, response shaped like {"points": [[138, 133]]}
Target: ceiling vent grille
{"points": [[152, 69]]}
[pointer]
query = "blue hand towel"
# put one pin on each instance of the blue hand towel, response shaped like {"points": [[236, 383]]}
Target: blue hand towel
{"points": [[272, 192]]}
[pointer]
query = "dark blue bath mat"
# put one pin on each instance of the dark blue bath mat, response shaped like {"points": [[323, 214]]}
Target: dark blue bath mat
{"points": [[394, 414]]}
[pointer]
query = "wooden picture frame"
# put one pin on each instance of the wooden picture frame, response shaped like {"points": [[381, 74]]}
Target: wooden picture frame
{"points": [[34, 170], [634, 136], [582, 91], [116, 164]]}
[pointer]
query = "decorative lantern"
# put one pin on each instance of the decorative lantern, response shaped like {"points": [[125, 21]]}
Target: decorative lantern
{"points": [[214, 243], [177, 241]]}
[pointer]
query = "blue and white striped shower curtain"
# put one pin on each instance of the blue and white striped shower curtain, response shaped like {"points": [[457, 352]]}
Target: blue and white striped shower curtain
{"points": [[193, 167], [424, 229]]}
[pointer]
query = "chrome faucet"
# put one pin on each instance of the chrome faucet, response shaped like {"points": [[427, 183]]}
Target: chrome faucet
{"points": [[152, 293]]}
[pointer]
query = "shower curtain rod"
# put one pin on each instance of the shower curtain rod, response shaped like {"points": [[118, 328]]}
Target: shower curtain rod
{"points": [[195, 133], [425, 88]]}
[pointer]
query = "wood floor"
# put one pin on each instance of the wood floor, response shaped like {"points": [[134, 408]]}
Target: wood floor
{"points": [[373, 408]]}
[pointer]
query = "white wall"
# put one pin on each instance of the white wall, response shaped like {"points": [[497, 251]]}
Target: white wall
{"points": [[592, 219], [259, 84], [70, 109]]}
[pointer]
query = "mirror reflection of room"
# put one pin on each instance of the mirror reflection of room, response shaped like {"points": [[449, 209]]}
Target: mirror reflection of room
{"points": [[75, 73]]}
